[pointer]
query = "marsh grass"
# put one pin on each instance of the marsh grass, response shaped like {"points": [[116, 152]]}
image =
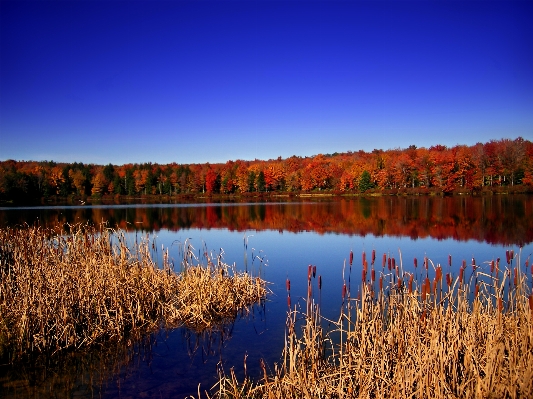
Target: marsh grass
{"points": [[408, 336], [73, 288]]}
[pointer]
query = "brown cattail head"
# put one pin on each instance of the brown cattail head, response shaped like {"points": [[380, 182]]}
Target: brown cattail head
{"points": [[424, 291], [507, 256], [381, 283], [384, 261], [449, 260], [491, 266], [343, 291], [393, 263], [363, 275], [476, 290], [400, 283], [531, 303], [438, 276], [473, 264], [416, 263], [461, 272], [309, 272], [434, 286], [289, 301], [511, 253], [389, 263], [373, 256], [319, 282], [364, 257], [449, 279], [365, 265], [464, 263], [373, 275], [527, 264], [288, 284], [426, 262], [411, 283], [314, 271], [351, 258]]}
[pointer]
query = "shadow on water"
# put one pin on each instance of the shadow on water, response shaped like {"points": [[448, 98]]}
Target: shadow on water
{"points": [[127, 368]]}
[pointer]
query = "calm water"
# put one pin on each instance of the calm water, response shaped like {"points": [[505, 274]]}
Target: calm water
{"points": [[282, 239]]}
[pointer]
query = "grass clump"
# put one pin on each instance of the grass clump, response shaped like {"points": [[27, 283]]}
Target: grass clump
{"points": [[409, 335], [73, 288]]}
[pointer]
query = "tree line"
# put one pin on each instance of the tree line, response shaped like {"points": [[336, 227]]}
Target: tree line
{"points": [[483, 166]]}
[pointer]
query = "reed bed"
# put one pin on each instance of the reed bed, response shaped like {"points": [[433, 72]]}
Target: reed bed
{"points": [[408, 335], [72, 288]]}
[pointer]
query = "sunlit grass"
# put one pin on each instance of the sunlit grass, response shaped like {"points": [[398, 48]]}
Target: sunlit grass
{"points": [[67, 290], [408, 335]]}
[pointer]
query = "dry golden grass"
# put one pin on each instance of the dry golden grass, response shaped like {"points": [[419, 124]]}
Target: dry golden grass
{"points": [[71, 289], [448, 339]]}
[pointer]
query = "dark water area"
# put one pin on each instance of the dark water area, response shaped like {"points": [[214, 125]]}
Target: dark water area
{"points": [[278, 241]]}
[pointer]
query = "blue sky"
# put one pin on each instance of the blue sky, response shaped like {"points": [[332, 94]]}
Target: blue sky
{"points": [[195, 82]]}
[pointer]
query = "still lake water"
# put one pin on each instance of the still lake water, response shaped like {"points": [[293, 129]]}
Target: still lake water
{"points": [[282, 239]]}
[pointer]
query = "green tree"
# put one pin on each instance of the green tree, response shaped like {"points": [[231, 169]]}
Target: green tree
{"points": [[365, 182]]}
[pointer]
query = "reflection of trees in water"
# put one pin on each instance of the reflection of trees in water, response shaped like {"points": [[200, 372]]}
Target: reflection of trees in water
{"points": [[496, 219]]}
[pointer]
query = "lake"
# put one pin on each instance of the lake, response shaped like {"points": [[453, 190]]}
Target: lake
{"points": [[277, 240]]}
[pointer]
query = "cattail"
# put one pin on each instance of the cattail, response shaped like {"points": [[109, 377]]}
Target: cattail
{"points": [[511, 253], [365, 265], [416, 263], [461, 272], [515, 277], [448, 279], [343, 291], [491, 266], [464, 263], [373, 275], [314, 271], [381, 283], [399, 283], [531, 303], [438, 276], [508, 256], [450, 260], [289, 301], [426, 262], [473, 264], [309, 272], [288, 284], [364, 257], [384, 261], [319, 282], [393, 263], [373, 256], [424, 291], [434, 286], [476, 290], [389, 265], [363, 275], [411, 283], [351, 257]]}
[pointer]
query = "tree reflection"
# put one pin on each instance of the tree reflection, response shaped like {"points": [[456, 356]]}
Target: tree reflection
{"points": [[496, 219]]}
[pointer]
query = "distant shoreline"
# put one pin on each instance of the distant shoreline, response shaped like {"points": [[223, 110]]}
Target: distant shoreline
{"points": [[274, 196]]}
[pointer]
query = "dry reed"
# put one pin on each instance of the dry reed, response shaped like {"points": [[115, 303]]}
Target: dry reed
{"points": [[457, 339], [72, 289]]}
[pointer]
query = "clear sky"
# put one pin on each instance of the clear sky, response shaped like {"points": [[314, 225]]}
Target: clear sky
{"points": [[195, 82]]}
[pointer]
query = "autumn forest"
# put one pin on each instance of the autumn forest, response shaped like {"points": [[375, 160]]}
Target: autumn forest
{"points": [[497, 165]]}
